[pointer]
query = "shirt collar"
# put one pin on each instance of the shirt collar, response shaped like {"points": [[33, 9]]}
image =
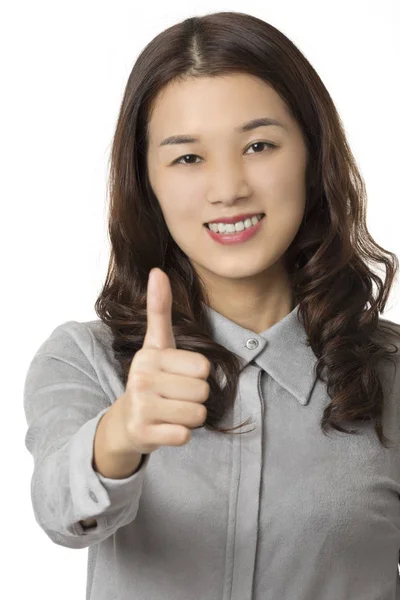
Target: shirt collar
{"points": [[280, 350]]}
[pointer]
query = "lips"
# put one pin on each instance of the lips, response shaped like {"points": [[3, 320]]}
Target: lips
{"points": [[237, 237]]}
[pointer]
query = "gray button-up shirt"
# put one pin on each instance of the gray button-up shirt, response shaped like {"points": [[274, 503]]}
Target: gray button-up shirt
{"points": [[282, 512]]}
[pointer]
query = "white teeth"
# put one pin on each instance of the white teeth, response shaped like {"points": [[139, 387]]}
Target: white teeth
{"points": [[234, 227]]}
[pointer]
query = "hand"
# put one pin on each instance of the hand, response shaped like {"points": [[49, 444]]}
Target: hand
{"points": [[166, 387]]}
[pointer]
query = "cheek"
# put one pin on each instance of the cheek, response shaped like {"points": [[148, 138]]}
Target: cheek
{"points": [[181, 204], [181, 215], [284, 218], [285, 185]]}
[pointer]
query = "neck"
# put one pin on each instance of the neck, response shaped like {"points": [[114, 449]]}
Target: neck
{"points": [[255, 304]]}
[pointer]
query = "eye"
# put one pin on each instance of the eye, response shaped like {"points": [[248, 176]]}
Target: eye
{"points": [[262, 144], [178, 160]]}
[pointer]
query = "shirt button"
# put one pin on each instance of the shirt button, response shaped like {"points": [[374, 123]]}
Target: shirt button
{"points": [[93, 496], [252, 343]]}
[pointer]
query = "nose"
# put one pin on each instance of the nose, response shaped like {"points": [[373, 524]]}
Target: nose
{"points": [[228, 182]]}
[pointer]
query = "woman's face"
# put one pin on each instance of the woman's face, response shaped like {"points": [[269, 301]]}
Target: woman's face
{"points": [[224, 175]]}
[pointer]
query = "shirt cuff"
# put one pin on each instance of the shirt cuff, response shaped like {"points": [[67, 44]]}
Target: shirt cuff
{"points": [[112, 502]]}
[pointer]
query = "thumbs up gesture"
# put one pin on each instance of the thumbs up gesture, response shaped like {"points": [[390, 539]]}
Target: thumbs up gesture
{"points": [[166, 387]]}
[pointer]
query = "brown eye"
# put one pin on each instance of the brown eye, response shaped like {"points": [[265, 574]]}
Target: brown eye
{"points": [[261, 144], [178, 160]]}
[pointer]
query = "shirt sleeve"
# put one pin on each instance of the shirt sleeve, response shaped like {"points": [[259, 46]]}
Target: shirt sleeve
{"points": [[63, 403]]}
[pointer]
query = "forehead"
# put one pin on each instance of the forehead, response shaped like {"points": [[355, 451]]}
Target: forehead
{"points": [[183, 106]]}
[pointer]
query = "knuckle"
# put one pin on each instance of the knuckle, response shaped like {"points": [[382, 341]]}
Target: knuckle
{"points": [[205, 390], [145, 358], [201, 413], [140, 380], [167, 356], [169, 352], [184, 437], [205, 366]]}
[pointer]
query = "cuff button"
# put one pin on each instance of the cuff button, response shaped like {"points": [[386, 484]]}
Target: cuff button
{"points": [[93, 496]]}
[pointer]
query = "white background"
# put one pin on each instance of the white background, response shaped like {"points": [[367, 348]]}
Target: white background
{"points": [[64, 66]]}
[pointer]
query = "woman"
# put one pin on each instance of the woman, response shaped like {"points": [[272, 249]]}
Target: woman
{"points": [[132, 416]]}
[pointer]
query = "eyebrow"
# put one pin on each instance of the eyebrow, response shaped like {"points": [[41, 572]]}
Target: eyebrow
{"points": [[253, 124]]}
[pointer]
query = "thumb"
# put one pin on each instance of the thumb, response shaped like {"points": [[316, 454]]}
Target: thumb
{"points": [[159, 333]]}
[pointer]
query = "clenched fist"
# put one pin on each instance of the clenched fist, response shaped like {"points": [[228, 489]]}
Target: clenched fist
{"points": [[166, 387]]}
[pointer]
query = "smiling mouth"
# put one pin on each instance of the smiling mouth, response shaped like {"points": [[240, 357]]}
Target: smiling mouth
{"points": [[206, 225]]}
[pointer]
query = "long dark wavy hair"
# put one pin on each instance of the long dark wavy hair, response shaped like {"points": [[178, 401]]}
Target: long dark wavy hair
{"points": [[327, 260]]}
